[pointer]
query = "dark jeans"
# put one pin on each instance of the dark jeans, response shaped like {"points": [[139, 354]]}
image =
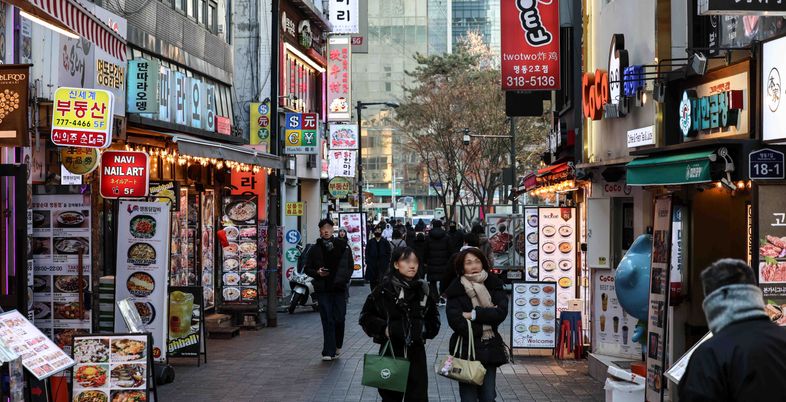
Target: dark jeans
{"points": [[483, 393], [443, 285], [417, 381], [332, 311]]}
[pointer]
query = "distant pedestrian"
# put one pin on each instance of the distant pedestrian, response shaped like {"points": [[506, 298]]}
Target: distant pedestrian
{"points": [[420, 244], [479, 296], [397, 241], [330, 263], [409, 237], [456, 237], [378, 251], [437, 258], [403, 311], [342, 234], [745, 360], [484, 246]]}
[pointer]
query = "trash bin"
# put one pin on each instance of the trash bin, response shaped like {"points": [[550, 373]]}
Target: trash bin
{"points": [[623, 391]]}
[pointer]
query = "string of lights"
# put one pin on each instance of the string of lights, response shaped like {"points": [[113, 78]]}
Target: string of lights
{"points": [[172, 156]]}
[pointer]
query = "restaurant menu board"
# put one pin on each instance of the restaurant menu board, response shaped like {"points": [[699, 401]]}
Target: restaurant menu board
{"points": [[613, 326], [111, 368], [194, 234], [185, 321], [239, 257], [500, 232], [530, 241], [557, 251], [61, 227], [262, 264], [534, 315], [772, 251], [657, 310], [178, 269], [142, 262], [39, 354], [208, 248], [355, 224]]}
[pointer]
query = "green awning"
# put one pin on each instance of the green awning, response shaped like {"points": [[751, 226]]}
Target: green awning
{"points": [[384, 192], [670, 170]]}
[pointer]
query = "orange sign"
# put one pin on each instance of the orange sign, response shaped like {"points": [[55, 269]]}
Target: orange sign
{"points": [[594, 94], [252, 183]]}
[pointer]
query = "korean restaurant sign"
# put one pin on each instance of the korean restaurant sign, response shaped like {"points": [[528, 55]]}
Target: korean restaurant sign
{"points": [[300, 136], [339, 87], [742, 7], [344, 16], [715, 109], [82, 117], [14, 80], [530, 45], [142, 86], [341, 163], [124, 174]]}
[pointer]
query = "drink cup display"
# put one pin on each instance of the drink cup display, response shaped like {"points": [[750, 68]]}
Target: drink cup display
{"points": [[616, 321], [602, 323], [181, 308], [604, 300], [624, 334]]}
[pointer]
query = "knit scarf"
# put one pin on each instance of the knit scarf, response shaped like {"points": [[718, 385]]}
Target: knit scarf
{"points": [[733, 303], [480, 296], [403, 286]]}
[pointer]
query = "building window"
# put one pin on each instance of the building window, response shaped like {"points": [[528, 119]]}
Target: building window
{"points": [[191, 8], [201, 12], [212, 20]]}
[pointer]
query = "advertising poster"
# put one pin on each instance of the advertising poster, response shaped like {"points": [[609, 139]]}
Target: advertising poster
{"points": [[557, 251], [343, 136], [344, 16], [679, 247], [613, 327], [339, 86], [238, 277], [341, 163], [185, 321], [208, 248], [531, 54], [355, 224], [142, 266], [531, 256], [772, 251], [39, 355], [656, 323], [61, 228], [500, 234], [13, 94], [111, 368], [533, 322], [178, 253]]}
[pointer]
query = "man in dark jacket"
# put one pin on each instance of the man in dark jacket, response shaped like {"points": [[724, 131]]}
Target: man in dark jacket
{"points": [[745, 360], [437, 257], [456, 237], [330, 264], [377, 257]]}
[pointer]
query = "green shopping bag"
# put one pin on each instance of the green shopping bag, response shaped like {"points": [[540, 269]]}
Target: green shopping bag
{"points": [[380, 371]]}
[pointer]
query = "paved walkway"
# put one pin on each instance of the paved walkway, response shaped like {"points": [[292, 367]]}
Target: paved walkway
{"points": [[283, 364]]}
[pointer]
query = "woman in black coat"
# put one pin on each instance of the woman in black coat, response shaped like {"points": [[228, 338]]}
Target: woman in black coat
{"points": [[401, 310], [479, 296]]}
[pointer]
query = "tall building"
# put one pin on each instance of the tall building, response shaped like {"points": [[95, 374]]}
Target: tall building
{"points": [[481, 16], [439, 26]]}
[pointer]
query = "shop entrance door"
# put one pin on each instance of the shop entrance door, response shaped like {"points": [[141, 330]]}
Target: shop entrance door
{"points": [[13, 237]]}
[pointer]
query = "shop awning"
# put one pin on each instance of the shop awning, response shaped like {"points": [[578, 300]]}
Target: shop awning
{"points": [[192, 146], [72, 16], [671, 170], [384, 192]]}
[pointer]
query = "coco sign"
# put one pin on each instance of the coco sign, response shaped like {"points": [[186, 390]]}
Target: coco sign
{"points": [[603, 93]]}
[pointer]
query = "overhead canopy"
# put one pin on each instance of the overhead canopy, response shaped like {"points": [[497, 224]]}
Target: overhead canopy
{"points": [[192, 146], [671, 170], [384, 192]]}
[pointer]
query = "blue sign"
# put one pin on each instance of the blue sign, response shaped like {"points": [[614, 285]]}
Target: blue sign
{"points": [[293, 237], [766, 164]]}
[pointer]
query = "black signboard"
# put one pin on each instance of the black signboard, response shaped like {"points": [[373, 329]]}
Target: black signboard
{"points": [[737, 7], [185, 323], [766, 164]]}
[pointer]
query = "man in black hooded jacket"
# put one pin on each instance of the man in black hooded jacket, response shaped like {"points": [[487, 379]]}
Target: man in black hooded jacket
{"points": [[437, 257], [745, 360]]}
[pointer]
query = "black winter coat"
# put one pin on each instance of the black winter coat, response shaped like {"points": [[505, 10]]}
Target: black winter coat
{"points": [[456, 241], [438, 253], [745, 361], [459, 303], [377, 259], [338, 261], [420, 245], [383, 310]]}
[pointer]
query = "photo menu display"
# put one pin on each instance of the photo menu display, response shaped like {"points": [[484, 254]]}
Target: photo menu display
{"points": [[534, 315], [557, 251], [355, 224], [39, 354], [530, 257], [239, 282], [111, 368]]}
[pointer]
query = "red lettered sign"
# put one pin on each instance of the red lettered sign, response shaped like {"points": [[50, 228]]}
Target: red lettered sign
{"points": [[530, 45], [124, 174]]}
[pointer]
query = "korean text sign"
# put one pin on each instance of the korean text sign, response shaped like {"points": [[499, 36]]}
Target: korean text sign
{"points": [[143, 86], [82, 118], [341, 163], [530, 45], [301, 133], [339, 86], [344, 16], [124, 174], [294, 209]]}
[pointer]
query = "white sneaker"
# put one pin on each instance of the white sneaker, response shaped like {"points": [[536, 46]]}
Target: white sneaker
{"points": [[338, 352], [327, 358]]}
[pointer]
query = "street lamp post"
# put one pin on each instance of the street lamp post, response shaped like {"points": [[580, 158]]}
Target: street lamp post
{"points": [[360, 106]]}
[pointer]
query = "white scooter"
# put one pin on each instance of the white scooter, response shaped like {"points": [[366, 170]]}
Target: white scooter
{"points": [[302, 286]]}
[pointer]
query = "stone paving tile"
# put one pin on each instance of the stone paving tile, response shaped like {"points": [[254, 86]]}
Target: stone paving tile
{"points": [[283, 364]]}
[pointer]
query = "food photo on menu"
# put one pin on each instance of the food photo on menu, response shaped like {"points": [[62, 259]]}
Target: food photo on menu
{"points": [[110, 368]]}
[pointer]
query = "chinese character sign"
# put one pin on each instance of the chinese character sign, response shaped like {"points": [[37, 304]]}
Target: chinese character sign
{"points": [[142, 86], [301, 133], [344, 16], [338, 83], [343, 136], [259, 117], [530, 45], [342, 163], [82, 118], [124, 174]]}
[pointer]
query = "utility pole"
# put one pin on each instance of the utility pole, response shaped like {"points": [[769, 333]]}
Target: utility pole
{"points": [[513, 164], [274, 185]]}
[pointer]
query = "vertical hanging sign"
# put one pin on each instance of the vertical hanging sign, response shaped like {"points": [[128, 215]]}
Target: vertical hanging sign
{"points": [[657, 309], [338, 84], [344, 16], [259, 118], [142, 86], [530, 45]]}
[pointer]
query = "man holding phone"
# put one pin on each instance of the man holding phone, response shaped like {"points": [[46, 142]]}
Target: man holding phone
{"points": [[330, 264]]}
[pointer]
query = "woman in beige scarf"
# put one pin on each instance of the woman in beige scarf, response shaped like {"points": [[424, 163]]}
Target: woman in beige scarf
{"points": [[477, 298]]}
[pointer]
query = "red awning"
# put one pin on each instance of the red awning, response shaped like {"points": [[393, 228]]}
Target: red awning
{"points": [[72, 16], [558, 168], [529, 182]]}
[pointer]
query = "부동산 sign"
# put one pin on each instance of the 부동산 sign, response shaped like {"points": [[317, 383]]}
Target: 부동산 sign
{"points": [[82, 117]]}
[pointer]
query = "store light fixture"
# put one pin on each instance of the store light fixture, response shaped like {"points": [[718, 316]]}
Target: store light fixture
{"points": [[49, 25], [172, 156]]}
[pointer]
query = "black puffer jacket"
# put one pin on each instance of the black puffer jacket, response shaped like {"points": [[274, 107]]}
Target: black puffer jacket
{"points": [[377, 259], [420, 245], [437, 253], [456, 240], [406, 321], [459, 303], [336, 259]]}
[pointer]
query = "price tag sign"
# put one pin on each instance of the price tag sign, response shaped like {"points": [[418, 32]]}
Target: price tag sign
{"points": [[766, 164]]}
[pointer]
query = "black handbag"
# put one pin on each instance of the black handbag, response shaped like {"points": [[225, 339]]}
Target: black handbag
{"points": [[493, 352]]}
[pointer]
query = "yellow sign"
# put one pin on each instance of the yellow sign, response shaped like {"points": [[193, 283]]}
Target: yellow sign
{"points": [[79, 161], [294, 209], [82, 118], [259, 117]]}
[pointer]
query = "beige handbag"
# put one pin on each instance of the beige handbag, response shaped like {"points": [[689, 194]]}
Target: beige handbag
{"points": [[468, 371]]}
